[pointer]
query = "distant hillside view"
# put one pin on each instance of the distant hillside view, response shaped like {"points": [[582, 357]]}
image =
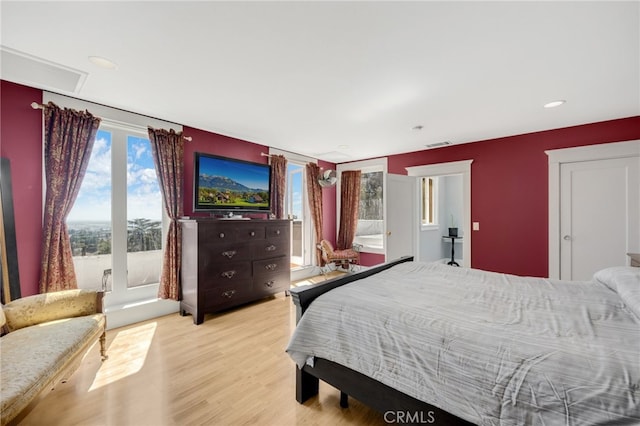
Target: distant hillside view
{"points": [[220, 191]]}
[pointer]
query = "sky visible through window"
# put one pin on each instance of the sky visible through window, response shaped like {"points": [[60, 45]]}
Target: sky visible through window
{"points": [[144, 199]]}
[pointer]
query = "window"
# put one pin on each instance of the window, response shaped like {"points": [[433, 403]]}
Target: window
{"points": [[89, 222], [428, 197], [370, 228], [372, 209], [125, 241], [118, 223], [144, 214], [294, 210]]}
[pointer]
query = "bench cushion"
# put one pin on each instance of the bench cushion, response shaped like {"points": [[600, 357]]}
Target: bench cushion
{"points": [[33, 356]]}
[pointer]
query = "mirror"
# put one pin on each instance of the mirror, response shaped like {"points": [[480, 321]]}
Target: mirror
{"points": [[9, 272]]}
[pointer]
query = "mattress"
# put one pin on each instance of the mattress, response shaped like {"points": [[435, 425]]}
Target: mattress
{"points": [[490, 348]]}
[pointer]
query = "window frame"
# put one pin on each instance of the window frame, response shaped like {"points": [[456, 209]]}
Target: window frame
{"points": [[130, 304], [431, 194], [365, 166]]}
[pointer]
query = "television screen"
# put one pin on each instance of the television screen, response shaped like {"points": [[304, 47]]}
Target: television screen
{"points": [[229, 184]]}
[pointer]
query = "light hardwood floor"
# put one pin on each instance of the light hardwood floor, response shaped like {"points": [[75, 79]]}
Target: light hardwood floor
{"points": [[230, 370]]}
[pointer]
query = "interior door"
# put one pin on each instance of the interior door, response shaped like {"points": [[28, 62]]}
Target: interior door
{"points": [[400, 223], [599, 215]]}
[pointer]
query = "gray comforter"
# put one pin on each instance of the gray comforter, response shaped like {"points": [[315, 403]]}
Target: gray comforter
{"points": [[491, 348]]}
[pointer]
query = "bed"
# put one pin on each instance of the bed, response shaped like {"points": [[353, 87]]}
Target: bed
{"points": [[431, 343]]}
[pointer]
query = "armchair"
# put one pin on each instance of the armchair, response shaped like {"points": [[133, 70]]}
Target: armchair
{"points": [[346, 259]]}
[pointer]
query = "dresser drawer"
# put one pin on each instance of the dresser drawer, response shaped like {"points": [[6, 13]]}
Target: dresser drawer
{"points": [[278, 230], [226, 231], [268, 284], [227, 272], [225, 253], [268, 266], [216, 232], [249, 231], [230, 294], [270, 248]]}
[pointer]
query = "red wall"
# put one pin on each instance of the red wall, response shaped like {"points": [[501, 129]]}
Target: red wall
{"points": [[21, 143], [509, 187], [509, 190], [329, 230], [212, 143]]}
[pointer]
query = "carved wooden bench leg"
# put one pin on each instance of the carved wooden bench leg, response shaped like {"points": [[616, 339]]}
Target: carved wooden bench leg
{"points": [[103, 346]]}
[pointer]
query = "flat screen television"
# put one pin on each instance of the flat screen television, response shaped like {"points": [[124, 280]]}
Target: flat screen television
{"points": [[223, 184]]}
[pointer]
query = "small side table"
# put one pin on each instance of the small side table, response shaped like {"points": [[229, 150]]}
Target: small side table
{"points": [[452, 262]]}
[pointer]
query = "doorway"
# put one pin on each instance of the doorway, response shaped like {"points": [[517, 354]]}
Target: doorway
{"points": [[461, 210], [594, 205]]}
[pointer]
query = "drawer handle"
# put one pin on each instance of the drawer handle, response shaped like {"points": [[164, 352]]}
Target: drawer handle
{"points": [[270, 248], [271, 266], [229, 254], [221, 235], [229, 293], [228, 274], [252, 234], [277, 232], [270, 283]]}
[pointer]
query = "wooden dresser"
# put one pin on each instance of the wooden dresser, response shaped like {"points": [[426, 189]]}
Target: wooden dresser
{"points": [[226, 263]]}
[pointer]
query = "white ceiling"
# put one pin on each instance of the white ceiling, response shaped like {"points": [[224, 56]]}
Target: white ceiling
{"points": [[343, 81]]}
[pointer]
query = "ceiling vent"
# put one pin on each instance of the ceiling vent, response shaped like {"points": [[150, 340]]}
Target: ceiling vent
{"points": [[438, 144], [21, 68]]}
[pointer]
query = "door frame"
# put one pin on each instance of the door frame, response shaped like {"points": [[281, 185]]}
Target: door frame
{"points": [[557, 157], [309, 248], [452, 168]]}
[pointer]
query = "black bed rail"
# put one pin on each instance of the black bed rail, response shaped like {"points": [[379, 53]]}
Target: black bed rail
{"points": [[303, 296]]}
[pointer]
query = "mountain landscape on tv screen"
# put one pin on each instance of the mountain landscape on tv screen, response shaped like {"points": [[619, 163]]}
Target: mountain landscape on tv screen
{"points": [[221, 191]]}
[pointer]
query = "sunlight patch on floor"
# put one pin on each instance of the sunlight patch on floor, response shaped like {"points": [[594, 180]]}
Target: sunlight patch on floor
{"points": [[127, 354]]}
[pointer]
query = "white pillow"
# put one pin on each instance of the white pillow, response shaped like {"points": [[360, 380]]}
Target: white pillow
{"points": [[624, 280]]}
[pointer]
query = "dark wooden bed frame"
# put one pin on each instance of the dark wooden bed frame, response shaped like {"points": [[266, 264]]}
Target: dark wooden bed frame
{"points": [[376, 395]]}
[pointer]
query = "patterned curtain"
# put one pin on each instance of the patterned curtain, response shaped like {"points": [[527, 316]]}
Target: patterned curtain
{"points": [[278, 184], [349, 201], [314, 191], [68, 140], [168, 153]]}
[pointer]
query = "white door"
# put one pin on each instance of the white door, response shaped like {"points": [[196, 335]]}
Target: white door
{"points": [[599, 215], [400, 222]]}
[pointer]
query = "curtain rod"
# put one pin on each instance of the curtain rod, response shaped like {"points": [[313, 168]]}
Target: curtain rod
{"points": [[36, 105]]}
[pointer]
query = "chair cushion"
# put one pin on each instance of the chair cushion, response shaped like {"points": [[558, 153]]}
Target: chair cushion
{"points": [[344, 254]]}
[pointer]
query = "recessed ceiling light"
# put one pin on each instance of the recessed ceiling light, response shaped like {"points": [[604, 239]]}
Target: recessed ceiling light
{"points": [[343, 147], [103, 62], [554, 104]]}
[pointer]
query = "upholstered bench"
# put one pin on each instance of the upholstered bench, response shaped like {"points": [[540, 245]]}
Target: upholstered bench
{"points": [[47, 337]]}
